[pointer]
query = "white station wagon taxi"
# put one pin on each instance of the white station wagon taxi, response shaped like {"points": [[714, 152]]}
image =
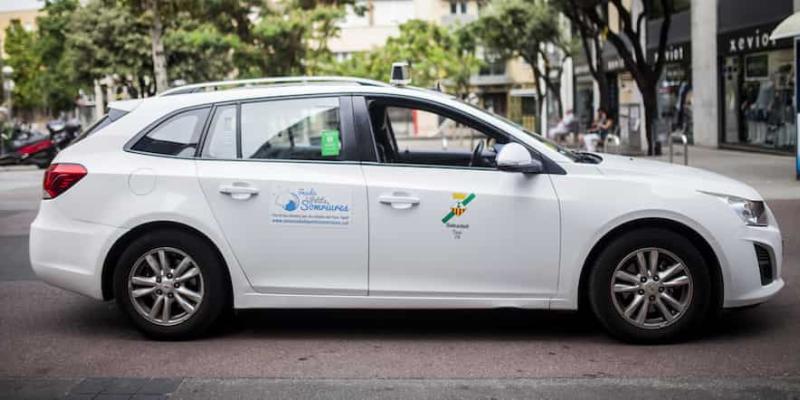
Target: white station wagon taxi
{"points": [[347, 193]]}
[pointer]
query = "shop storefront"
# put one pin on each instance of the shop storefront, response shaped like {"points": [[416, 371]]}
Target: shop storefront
{"points": [[675, 83], [675, 91], [757, 105]]}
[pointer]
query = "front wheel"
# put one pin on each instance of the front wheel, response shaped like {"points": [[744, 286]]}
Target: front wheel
{"points": [[650, 286], [171, 285]]}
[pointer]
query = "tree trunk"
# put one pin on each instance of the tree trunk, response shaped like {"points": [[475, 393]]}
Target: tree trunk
{"points": [[600, 76], [650, 100], [554, 87], [159, 57]]}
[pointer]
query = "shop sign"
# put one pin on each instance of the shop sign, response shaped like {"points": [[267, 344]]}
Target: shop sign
{"points": [[750, 40], [615, 64], [582, 69], [674, 53]]}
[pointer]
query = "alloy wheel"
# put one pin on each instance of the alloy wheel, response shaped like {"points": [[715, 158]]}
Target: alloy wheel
{"points": [[166, 286], [651, 288]]}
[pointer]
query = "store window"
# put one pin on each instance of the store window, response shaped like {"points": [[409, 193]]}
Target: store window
{"points": [[675, 99], [758, 100]]}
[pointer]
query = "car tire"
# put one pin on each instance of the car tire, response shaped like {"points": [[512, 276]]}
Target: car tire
{"points": [[195, 292], [677, 299]]}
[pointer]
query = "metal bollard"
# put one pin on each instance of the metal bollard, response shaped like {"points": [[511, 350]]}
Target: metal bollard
{"points": [[685, 141], [611, 138]]}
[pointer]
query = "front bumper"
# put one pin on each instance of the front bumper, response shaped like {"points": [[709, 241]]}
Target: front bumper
{"points": [[68, 253], [744, 284]]}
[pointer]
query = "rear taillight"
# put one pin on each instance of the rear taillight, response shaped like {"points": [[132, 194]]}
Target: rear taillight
{"points": [[60, 177]]}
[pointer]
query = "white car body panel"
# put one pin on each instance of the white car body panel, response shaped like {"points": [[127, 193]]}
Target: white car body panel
{"points": [[551, 221], [285, 258], [413, 253]]}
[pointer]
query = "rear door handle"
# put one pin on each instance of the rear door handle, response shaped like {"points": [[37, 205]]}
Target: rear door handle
{"points": [[238, 191], [399, 201]]}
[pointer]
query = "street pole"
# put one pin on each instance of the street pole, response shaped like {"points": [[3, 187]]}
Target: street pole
{"points": [[796, 103], [8, 87]]}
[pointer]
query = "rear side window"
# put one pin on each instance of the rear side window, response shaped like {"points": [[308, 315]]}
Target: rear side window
{"points": [[177, 136], [293, 129], [221, 141]]}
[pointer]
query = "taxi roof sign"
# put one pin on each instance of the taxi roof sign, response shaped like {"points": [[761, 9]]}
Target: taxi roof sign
{"points": [[401, 74]]}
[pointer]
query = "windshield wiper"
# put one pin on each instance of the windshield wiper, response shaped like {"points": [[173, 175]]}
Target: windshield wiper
{"points": [[589, 158]]}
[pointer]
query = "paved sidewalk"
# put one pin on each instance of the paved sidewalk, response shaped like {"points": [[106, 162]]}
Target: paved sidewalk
{"points": [[350, 389], [773, 176]]}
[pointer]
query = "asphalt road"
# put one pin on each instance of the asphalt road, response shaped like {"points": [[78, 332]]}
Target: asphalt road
{"points": [[47, 334]]}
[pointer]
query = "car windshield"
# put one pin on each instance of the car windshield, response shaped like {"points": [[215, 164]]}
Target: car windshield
{"points": [[572, 155]]}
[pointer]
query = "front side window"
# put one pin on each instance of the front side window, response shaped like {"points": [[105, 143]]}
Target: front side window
{"points": [[410, 135], [294, 129], [177, 136]]}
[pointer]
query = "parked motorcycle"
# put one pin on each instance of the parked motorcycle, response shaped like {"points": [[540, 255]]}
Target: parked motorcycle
{"points": [[62, 132], [25, 146]]}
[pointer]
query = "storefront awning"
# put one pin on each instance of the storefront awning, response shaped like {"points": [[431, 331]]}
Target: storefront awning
{"points": [[522, 92], [789, 28]]}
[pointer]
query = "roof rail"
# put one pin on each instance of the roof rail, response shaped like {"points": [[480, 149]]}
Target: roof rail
{"points": [[200, 87]]}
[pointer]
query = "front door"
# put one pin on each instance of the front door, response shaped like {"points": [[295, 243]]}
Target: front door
{"points": [[284, 191], [443, 221]]}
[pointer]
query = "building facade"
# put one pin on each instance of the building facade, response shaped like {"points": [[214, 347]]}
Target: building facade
{"points": [[725, 83]]}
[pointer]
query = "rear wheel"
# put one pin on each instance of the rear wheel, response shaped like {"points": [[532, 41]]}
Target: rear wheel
{"points": [[650, 286], [171, 285]]}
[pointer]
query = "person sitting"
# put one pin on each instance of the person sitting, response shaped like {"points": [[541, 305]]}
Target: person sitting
{"points": [[565, 127], [601, 126]]}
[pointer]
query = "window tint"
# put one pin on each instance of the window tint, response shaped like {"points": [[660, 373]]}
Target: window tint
{"points": [[297, 129], [177, 136], [407, 135], [419, 130], [221, 140]]}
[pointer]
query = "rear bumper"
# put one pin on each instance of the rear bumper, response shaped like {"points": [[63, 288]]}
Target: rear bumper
{"points": [[68, 253]]}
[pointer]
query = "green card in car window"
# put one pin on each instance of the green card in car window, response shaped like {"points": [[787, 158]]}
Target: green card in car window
{"points": [[330, 143]]}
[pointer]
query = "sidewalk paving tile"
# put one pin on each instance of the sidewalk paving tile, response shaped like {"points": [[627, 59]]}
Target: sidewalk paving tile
{"points": [[113, 397], [159, 386], [150, 397], [124, 385]]}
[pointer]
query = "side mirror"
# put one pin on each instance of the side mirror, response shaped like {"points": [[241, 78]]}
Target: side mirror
{"points": [[514, 157]]}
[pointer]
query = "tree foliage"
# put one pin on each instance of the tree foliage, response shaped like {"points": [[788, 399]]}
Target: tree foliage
{"points": [[42, 75], [435, 54], [525, 28], [79, 43]]}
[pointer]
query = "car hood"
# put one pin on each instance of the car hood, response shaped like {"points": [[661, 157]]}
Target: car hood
{"points": [[666, 173]]}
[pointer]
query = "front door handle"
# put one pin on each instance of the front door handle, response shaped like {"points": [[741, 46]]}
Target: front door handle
{"points": [[399, 201], [238, 191]]}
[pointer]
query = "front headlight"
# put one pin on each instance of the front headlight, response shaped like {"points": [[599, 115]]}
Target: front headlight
{"points": [[752, 212]]}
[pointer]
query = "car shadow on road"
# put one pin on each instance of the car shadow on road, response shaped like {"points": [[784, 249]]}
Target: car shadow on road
{"points": [[105, 320], [500, 324]]}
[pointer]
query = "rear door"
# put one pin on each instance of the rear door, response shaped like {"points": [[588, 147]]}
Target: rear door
{"points": [[280, 179]]}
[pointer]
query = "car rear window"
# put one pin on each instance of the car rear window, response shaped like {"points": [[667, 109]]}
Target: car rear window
{"points": [[177, 136]]}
